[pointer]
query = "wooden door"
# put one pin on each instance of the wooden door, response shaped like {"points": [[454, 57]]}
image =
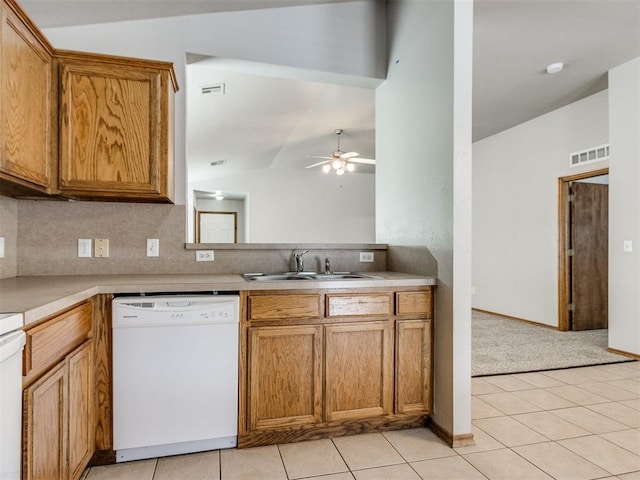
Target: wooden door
{"points": [[413, 366], [81, 432], [25, 104], [589, 259], [45, 427], [285, 376], [358, 370]]}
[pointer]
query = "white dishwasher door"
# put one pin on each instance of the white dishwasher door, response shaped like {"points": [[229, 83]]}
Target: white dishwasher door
{"points": [[175, 375]]}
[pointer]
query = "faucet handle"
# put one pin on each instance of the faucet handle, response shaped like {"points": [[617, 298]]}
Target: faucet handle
{"points": [[300, 261]]}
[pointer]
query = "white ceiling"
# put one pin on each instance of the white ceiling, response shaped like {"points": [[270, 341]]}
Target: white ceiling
{"points": [[514, 40]]}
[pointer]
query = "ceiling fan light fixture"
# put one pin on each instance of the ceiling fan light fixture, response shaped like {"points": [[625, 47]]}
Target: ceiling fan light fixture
{"points": [[340, 171], [336, 164], [351, 167], [326, 168]]}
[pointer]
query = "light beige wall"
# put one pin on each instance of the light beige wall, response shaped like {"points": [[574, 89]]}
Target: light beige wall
{"points": [[624, 207], [515, 207], [9, 230], [423, 194], [48, 233]]}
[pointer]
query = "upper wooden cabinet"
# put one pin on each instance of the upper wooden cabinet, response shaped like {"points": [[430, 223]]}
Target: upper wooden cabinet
{"points": [[25, 105], [116, 119], [82, 125]]}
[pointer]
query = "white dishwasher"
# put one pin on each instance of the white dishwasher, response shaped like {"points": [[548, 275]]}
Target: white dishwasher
{"points": [[175, 374]]}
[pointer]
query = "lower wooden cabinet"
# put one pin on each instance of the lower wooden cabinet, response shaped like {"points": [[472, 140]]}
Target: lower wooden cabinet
{"points": [[80, 405], [45, 433], [413, 366], [361, 363], [58, 421], [285, 376], [359, 370]]}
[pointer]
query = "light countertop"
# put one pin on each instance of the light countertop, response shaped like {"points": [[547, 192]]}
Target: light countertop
{"points": [[40, 296]]}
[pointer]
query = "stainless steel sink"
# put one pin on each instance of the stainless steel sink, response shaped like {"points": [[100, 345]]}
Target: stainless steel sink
{"points": [[282, 276]]}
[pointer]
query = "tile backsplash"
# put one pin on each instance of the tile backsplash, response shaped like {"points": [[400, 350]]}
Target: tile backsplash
{"points": [[47, 234]]}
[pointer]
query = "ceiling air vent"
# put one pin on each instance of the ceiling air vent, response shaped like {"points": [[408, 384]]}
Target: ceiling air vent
{"points": [[590, 155], [218, 163], [211, 90]]}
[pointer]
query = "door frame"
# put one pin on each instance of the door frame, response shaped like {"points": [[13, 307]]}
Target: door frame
{"points": [[564, 225], [198, 221]]}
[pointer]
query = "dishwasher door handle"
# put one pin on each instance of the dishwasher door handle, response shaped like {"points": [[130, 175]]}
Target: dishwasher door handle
{"points": [[179, 304]]}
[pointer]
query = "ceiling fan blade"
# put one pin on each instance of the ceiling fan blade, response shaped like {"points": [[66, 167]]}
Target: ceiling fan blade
{"points": [[320, 156], [349, 155], [368, 161], [318, 164]]}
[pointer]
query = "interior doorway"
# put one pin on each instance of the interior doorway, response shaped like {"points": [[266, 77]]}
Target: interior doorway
{"points": [[583, 251]]}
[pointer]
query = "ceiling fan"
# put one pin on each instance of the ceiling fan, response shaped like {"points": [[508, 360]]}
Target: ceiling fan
{"points": [[340, 161]]}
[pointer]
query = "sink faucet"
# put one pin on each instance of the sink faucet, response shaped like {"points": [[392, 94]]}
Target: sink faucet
{"points": [[327, 266], [300, 261]]}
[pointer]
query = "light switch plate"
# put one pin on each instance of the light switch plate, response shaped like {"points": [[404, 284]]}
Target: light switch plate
{"points": [[627, 246], [153, 247], [1, 247], [101, 247]]}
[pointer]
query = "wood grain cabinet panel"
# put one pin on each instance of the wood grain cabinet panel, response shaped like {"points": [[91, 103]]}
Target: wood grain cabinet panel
{"points": [[413, 366], [45, 432], [342, 304], [80, 404], [414, 303], [59, 396], [359, 369], [115, 127], [25, 102], [50, 341], [285, 376], [285, 306]]}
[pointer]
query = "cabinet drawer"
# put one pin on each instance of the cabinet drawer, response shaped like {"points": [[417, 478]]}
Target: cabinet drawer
{"points": [[295, 306], [50, 341], [359, 304], [414, 303]]}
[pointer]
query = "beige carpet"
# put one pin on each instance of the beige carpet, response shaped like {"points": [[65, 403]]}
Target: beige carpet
{"points": [[501, 345]]}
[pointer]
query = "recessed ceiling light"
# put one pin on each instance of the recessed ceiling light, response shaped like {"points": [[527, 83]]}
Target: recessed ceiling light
{"points": [[555, 67]]}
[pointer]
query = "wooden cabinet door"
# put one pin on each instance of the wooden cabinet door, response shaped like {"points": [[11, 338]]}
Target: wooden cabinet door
{"points": [[285, 376], [115, 139], [359, 370], [25, 104], [413, 366], [80, 398], [45, 427]]}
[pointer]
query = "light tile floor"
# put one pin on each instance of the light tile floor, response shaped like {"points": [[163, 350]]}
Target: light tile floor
{"points": [[574, 424]]}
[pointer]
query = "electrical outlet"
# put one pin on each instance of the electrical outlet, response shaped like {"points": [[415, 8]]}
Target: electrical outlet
{"points": [[153, 247], [204, 255], [1, 247], [84, 248], [366, 257], [101, 247]]}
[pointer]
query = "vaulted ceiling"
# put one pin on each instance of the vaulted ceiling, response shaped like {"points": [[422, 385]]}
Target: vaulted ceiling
{"points": [[513, 43]]}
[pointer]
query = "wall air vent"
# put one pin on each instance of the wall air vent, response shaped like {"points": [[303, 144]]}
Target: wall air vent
{"points": [[590, 155], [218, 163], [211, 90]]}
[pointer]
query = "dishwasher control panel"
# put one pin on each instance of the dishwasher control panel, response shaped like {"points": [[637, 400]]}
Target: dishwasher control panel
{"points": [[129, 312]]}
